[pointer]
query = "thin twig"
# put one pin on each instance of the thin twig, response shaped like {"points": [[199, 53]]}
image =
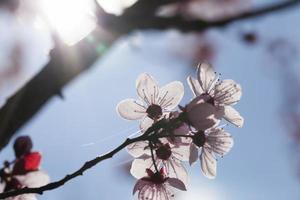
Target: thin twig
{"points": [[152, 156], [148, 135]]}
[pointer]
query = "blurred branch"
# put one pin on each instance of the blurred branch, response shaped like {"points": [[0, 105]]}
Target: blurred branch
{"points": [[125, 24], [146, 8], [61, 70], [65, 64]]}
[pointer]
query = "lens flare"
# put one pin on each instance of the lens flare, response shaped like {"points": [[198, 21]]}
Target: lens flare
{"points": [[72, 20]]}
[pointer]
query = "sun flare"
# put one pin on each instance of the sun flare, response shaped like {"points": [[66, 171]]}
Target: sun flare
{"points": [[73, 20]]}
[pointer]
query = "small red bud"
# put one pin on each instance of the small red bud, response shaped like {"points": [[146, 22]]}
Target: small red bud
{"points": [[30, 162]]}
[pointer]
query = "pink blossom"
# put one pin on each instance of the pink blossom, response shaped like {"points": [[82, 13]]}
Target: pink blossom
{"points": [[219, 94], [154, 102], [157, 186]]}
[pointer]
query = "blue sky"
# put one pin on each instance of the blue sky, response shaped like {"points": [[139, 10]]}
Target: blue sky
{"points": [[85, 124]]}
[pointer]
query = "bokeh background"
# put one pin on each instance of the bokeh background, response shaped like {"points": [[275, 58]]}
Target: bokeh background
{"points": [[262, 54]]}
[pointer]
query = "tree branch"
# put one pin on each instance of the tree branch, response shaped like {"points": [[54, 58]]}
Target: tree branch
{"points": [[61, 70], [125, 25], [150, 134], [65, 64]]}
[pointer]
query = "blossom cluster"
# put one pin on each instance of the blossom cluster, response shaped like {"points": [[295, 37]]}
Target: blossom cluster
{"points": [[24, 171], [173, 136]]}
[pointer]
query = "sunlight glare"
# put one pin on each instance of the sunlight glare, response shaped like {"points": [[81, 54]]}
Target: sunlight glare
{"points": [[73, 20]]}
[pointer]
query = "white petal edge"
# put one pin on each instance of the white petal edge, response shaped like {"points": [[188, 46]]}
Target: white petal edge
{"points": [[131, 109], [176, 170], [147, 88], [195, 86], [139, 166], [170, 95], [233, 116], [146, 123], [208, 163], [227, 92], [138, 149], [219, 141], [206, 76]]}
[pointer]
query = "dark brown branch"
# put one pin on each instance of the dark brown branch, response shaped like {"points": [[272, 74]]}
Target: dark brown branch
{"points": [[65, 64], [148, 135], [61, 69], [75, 174]]}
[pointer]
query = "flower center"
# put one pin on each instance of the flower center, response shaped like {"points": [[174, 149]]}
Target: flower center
{"points": [[157, 178], [154, 111], [209, 99], [199, 138], [164, 152]]}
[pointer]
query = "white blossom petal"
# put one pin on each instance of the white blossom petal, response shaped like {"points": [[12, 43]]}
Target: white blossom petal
{"points": [[233, 116], [176, 183], [170, 95], [181, 152], [34, 179], [195, 86], [131, 109], [208, 163], [139, 166], [206, 76], [220, 142], [193, 154], [147, 88], [146, 123], [227, 92], [138, 149], [176, 169]]}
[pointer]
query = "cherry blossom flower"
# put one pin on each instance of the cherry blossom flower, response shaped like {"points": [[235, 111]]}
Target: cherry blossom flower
{"points": [[154, 102], [220, 94], [210, 143], [157, 186], [165, 155]]}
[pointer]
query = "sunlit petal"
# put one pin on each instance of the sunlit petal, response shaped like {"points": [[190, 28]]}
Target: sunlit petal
{"points": [[170, 95], [228, 92], [206, 76], [147, 88], [195, 86], [233, 116], [208, 163], [131, 109]]}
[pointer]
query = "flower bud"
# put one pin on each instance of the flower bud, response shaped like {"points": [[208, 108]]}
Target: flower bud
{"points": [[29, 162], [22, 146]]}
